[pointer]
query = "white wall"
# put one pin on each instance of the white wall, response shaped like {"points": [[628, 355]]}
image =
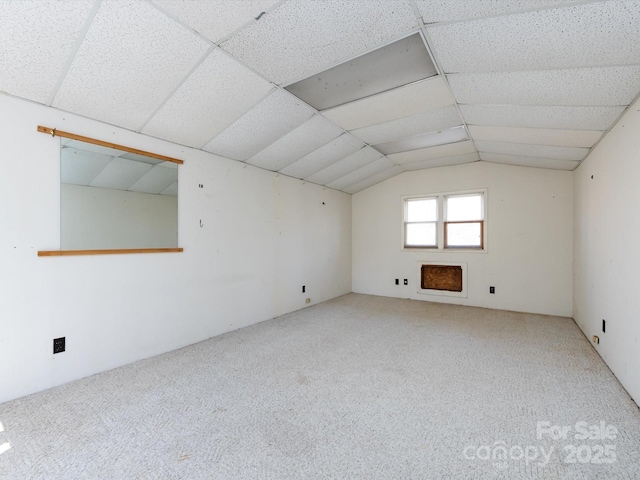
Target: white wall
{"points": [[529, 238], [101, 218], [606, 250], [263, 236]]}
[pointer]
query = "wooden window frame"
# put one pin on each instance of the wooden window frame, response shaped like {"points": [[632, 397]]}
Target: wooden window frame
{"points": [[441, 223]]}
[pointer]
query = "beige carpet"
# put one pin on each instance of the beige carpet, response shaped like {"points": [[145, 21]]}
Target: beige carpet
{"points": [[360, 387]]}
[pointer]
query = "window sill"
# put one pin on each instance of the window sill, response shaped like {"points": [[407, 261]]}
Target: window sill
{"points": [[443, 250], [70, 253]]}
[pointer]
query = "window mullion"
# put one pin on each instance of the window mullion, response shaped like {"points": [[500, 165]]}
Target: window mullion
{"points": [[440, 223]]}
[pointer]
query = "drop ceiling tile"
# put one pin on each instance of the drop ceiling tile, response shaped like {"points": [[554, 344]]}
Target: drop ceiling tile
{"points": [[424, 140], [540, 136], [567, 118], [131, 58], [300, 37], [309, 136], [373, 180], [431, 153], [584, 86], [265, 123], [553, 164], [433, 11], [79, 167], [429, 121], [215, 19], [442, 162], [120, 174], [171, 190], [594, 34], [527, 150], [324, 156], [362, 157], [362, 173], [401, 102], [215, 95], [29, 68], [156, 180]]}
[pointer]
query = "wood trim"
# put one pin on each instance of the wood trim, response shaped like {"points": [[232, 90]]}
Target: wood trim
{"points": [[53, 132], [70, 253]]}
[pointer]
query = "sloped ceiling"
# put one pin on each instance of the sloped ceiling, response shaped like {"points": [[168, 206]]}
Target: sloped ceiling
{"points": [[532, 82]]}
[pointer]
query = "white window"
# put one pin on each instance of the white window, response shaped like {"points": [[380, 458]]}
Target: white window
{"points": [[445, 221]]}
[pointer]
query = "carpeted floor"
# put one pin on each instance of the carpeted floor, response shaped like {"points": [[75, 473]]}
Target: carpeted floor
{"points": [[359, 387]]}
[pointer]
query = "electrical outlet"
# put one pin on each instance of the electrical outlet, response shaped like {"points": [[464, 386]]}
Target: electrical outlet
{"points": [[406, 282], [58, 345], [397, 281], [304, 288], [604, 325], [492, 289]]}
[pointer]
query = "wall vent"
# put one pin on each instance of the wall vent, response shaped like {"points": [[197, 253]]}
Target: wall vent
{"points": [[441, 277]]}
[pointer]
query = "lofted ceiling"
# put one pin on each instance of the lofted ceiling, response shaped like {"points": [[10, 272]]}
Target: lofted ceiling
{"points": [[329, 91]]}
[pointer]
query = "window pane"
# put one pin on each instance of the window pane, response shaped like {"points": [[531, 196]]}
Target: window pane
{"points": [[421, 235], [464, 234], [467, 207], [424, 210]]}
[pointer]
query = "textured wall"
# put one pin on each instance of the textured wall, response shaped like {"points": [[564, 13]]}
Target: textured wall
{"points": [[606, 255], [529, 238], [262, 237]]}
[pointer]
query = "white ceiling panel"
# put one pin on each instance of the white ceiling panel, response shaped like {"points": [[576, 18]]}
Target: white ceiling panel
{"points": [[79, 167], [362, 157], [362, 173], [156, 180], [527, 150], [309, 136], [387, 106], [215, 95], [171, 189], [368, 182], [568, 118], [429, 121], [301, 37], [442, 162], [324, 156], [215, 19], [431, 153], [433, 11], [424, 140], [272, 118], [540, 136], [584, 86], [131, 59], [553, 164], [120, 174], [594, 34], [28, 29]]}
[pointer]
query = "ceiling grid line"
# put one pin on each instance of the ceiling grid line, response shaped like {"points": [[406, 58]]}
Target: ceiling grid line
{"points": [[568, 3], [74, 51], [436, 62], [177, 87]]}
